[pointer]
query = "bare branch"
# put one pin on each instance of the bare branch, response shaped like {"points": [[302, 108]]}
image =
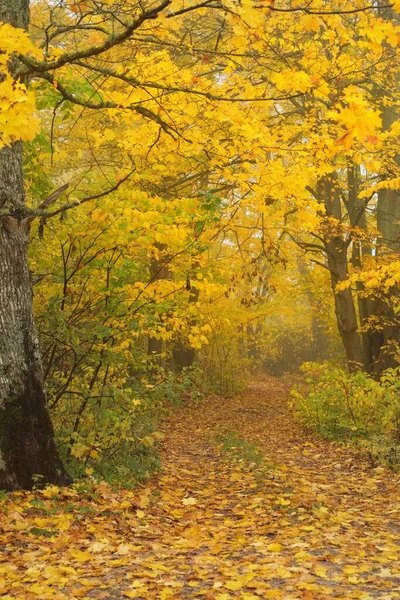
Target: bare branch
{"points": [[320, 264], [74, 203], [309, 11], [53, 197]]}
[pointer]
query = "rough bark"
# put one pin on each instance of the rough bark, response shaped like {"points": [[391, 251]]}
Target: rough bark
{"points": [[15, 12], [27, 450], [336, 246]]}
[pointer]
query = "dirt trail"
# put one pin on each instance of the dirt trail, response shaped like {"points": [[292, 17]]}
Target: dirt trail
{"points": [[307, 520], [322, 524]]}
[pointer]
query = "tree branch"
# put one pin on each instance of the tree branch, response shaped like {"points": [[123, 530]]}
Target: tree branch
{"points": [[74, 203], [309, 11], [145, 112], [112, 41]]}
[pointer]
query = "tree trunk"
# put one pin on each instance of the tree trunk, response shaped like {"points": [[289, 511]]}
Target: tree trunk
{"points": [[159, 269], [15, 12], [387, 337], [356, 210], [320, 345], [388, 207], [336, 248], [27, 450], [183, 354]]}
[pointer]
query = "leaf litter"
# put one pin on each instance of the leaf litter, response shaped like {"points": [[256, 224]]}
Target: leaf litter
{"points": [[310, 521]]}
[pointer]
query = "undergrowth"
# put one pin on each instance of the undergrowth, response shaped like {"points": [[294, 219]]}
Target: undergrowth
{"points": [[352, 407], [115, 439]]}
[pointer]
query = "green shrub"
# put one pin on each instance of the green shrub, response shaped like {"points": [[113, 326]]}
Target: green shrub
{"points": [[351, 406], [115, 437]]}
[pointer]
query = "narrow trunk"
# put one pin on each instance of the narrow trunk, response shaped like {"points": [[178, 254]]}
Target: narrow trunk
{"points": [[159, 270], [154, 350], [183, 354], [356, 209], [251, 337], [318, 326], [386, 336], [388, 208], [27, 450]]}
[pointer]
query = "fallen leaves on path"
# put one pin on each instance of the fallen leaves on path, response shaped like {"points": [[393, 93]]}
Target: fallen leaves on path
{"points": [[309, 521]]}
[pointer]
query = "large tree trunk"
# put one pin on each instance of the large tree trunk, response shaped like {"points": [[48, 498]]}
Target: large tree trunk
{"points": [[387, 338], [27, 450], [336, 249]]}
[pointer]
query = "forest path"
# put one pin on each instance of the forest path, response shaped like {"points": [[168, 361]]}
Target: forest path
{"points": [[294, 518], [319, 524]]}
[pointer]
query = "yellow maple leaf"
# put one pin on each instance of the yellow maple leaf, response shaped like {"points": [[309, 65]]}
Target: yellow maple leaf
{"points": [[233, 585], [350, 570], [132, 594], [64, 522], [275, 547], [97, 547], [80, 556], [123, 549], [190, 501], [283, 501], [321, 572]]}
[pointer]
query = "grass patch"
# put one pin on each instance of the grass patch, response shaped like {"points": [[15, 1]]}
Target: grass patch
{"points": [[240, 450], [128, 471], [47, 533]]}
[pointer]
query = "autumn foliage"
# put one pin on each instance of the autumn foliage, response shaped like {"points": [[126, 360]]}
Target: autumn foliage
{"points": [[212, 195]]}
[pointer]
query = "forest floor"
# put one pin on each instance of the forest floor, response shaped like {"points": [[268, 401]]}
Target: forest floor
{"points": [[248, 506]]}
